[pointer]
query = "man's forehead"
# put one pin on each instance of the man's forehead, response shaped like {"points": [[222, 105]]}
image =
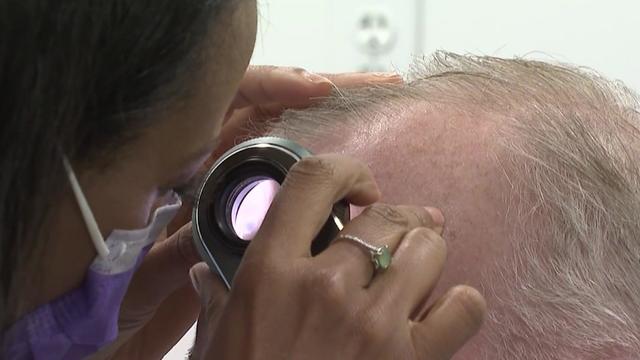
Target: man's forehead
{"points": [[417, 132], [430, 156]]}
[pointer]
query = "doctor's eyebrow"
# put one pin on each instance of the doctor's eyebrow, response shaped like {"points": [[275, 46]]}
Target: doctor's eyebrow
{"points": [[203, 151]]}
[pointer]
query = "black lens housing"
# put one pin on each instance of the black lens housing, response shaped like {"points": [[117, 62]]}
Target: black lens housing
{"points": [[267, 157]]}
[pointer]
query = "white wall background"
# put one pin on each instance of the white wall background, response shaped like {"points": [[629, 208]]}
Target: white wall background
{"points": [[322, 34], [599, 34], [330, 35]]}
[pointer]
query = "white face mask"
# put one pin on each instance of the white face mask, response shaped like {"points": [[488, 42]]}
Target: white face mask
{"points": [[83, 320]]}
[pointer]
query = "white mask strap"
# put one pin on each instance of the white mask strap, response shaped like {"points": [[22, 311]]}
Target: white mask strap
{"points": [[85, 210]]}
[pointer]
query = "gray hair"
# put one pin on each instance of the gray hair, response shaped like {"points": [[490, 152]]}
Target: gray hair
{"points": [[571, 153]]}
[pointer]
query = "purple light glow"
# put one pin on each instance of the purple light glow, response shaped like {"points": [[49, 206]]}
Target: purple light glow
{"points": [[251, 206]]}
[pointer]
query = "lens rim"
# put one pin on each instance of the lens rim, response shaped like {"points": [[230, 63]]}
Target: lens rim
{"points": [[218, 244]]}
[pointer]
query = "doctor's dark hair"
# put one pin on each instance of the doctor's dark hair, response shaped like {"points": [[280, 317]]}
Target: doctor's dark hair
{"points": [[81, 77]]}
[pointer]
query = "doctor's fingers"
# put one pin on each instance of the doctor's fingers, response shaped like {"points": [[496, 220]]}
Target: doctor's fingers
{"points": [[305, 201], [281, 85], [449, 324], [164, 270], [296, 87], [213, 296], [361, 79]]}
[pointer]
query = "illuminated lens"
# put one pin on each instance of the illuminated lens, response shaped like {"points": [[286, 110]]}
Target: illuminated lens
{"points": [[250, 206]]}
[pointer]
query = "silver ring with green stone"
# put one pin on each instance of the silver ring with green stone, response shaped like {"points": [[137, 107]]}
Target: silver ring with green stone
{"points": [[380, 256]]}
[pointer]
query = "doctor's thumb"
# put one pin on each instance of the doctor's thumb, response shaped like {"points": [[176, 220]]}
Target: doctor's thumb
{"points": [[213, 295], [209, 286]]}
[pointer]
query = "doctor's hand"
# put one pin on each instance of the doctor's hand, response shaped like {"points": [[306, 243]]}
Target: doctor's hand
{"points": [[160, 304], [266, 91], [149, 322], [286, 304]]}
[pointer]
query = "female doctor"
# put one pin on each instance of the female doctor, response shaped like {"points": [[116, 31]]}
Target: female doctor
{"points": [[109, 110]]}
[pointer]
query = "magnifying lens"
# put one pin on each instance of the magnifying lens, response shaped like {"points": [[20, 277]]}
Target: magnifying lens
{"points": [[236, 195]]}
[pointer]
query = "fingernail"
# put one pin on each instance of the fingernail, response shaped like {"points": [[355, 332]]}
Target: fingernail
{"points": [[388, 76], [385, 74], [437, 217], [315, 78], [194, 280], [200, 286], [354, 211]]}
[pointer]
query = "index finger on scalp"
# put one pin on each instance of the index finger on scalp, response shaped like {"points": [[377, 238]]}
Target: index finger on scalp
{"points": [[306, 199], [450, 323], [287, 86]]}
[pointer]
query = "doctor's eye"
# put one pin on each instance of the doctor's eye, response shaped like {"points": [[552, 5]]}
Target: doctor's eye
{"points": [[188, 190]]}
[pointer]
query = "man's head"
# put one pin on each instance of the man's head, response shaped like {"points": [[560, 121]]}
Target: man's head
{"points": [[536, 168]]}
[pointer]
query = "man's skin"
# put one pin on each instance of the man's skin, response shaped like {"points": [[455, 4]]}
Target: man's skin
{"points": [[446, 158]]}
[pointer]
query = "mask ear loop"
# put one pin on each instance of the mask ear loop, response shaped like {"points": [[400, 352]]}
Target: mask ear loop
{"points": [[85, 210]]}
